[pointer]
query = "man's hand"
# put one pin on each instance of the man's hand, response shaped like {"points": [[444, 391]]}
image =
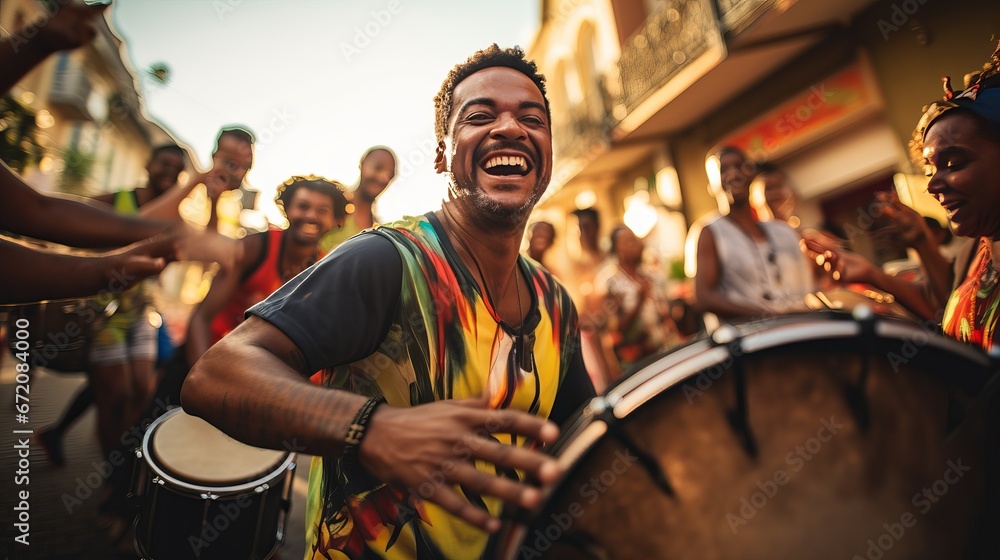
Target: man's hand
{"points": [[139, 260], [841, 264], [430, 448], [72, 25]]}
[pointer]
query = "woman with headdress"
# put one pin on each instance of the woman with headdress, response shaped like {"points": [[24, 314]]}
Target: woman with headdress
{"points": [[958, 142]]}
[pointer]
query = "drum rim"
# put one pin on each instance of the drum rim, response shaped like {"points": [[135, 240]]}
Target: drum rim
{"points": [[282, 466]]}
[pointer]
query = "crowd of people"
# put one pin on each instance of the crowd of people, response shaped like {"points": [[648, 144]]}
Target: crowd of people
{"points": [[383, 349]]}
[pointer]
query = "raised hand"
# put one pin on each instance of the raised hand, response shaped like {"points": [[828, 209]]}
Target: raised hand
{"points": [[841, 264], [430, 448], [904, 223]]}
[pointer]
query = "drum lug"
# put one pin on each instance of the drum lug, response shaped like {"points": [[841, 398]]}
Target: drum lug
{"points": [[158, 480], [209, 496], [262, 488]]}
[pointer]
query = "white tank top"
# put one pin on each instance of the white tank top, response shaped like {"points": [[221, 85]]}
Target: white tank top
{"points": [[772, 274]]}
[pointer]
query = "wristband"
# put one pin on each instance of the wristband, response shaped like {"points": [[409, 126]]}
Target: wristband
{"points": [[356, 431]]}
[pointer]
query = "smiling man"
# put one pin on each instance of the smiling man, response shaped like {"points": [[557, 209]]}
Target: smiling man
{"points": [[445, 353]]}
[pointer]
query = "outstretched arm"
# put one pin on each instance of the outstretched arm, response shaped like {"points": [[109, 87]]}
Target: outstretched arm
{"points": [[67, 220], [67, 275]]}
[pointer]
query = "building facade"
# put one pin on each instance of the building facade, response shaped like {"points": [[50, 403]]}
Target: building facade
{"points": [[88, 112], [829, 92]]}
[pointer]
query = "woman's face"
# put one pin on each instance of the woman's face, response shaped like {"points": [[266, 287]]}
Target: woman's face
{"points": [[963, 164]]}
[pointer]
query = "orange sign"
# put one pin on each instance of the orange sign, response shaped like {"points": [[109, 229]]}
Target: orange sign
{"points": [[822, 104]]}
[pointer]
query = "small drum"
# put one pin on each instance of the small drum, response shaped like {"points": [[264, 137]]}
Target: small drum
{"points": [[205, 495], [812, 436], [60, 331]]}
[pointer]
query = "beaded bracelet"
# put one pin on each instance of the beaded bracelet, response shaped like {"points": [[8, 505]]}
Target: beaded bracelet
{"points": [[356, 431]]}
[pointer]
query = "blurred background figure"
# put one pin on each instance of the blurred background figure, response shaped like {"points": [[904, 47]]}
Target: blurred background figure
{"points": [[747, 268], [773, 196], [378, 169], [635, 297], [541, 237]]}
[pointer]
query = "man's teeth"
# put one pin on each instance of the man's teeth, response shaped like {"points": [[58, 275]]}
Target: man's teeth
{"points": [[310, 229], [506, 160]]}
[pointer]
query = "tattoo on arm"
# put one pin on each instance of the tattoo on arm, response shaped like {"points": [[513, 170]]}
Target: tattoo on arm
{"points": [[297, 360]]}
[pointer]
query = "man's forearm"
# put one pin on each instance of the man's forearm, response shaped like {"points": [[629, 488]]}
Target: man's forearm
{"points": [[31, 274], [69, 221], [255, 396]]}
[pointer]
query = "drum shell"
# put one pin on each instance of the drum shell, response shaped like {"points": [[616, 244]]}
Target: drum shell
{"points": [[181, 520], [178, 525], [930, 404]]}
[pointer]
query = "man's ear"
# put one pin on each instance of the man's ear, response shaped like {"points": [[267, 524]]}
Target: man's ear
{"points": [[440, 161]]}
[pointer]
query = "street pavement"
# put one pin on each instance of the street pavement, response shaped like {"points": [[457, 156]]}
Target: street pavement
{"points": [[62, 508]]}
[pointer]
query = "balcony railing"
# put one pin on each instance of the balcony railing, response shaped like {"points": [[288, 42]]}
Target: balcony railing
{"points": [[667, 41], [737, 15]]}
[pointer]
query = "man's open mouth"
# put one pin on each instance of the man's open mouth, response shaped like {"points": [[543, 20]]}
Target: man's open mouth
{"points": [[503, 166], [309, 229]]}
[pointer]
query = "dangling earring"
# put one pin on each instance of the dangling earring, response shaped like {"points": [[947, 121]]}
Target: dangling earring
{"points": [[440, 162]]}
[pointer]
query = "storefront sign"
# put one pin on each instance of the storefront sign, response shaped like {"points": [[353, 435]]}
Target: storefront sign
{"points": [[809, 114]]}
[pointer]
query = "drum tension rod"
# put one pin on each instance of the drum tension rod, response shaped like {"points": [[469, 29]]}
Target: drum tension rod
{"points": [[855, 394], [647, 461]]}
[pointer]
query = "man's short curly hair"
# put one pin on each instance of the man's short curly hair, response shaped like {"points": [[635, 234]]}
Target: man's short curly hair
{"points": [[322, 185], [487, 58]]}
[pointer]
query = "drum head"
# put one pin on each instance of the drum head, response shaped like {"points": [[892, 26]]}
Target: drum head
{"points": [[798, 438], [194, 451]]}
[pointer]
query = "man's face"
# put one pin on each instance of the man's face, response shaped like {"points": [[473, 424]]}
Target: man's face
{"points": [[163, 170], [542, 237], [235, 157], [377, 171], [310, 216], [628, 247], [736, 174], [500, 145]]}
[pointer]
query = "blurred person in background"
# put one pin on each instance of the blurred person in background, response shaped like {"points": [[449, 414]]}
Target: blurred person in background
{"points": [[636, 297], [541, 237], [747, 268], [378, 169]]}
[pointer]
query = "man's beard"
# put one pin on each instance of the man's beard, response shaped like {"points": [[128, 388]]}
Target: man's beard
{"points": [[494, 210]]}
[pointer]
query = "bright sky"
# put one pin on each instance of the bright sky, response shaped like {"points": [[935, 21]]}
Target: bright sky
{"points": [[318, 81]]}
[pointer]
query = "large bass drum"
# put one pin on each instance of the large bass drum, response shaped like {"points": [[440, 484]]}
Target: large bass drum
{"points": [[820, 436]]}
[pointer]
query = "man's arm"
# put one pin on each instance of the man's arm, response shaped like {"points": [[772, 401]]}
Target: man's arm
{"points": [[66, 220], [224, 285], [706, 283], [68, 275], [251, 385]]}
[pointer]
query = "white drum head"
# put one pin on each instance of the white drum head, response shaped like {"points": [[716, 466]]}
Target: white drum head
{"points": [[194, 450]]}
